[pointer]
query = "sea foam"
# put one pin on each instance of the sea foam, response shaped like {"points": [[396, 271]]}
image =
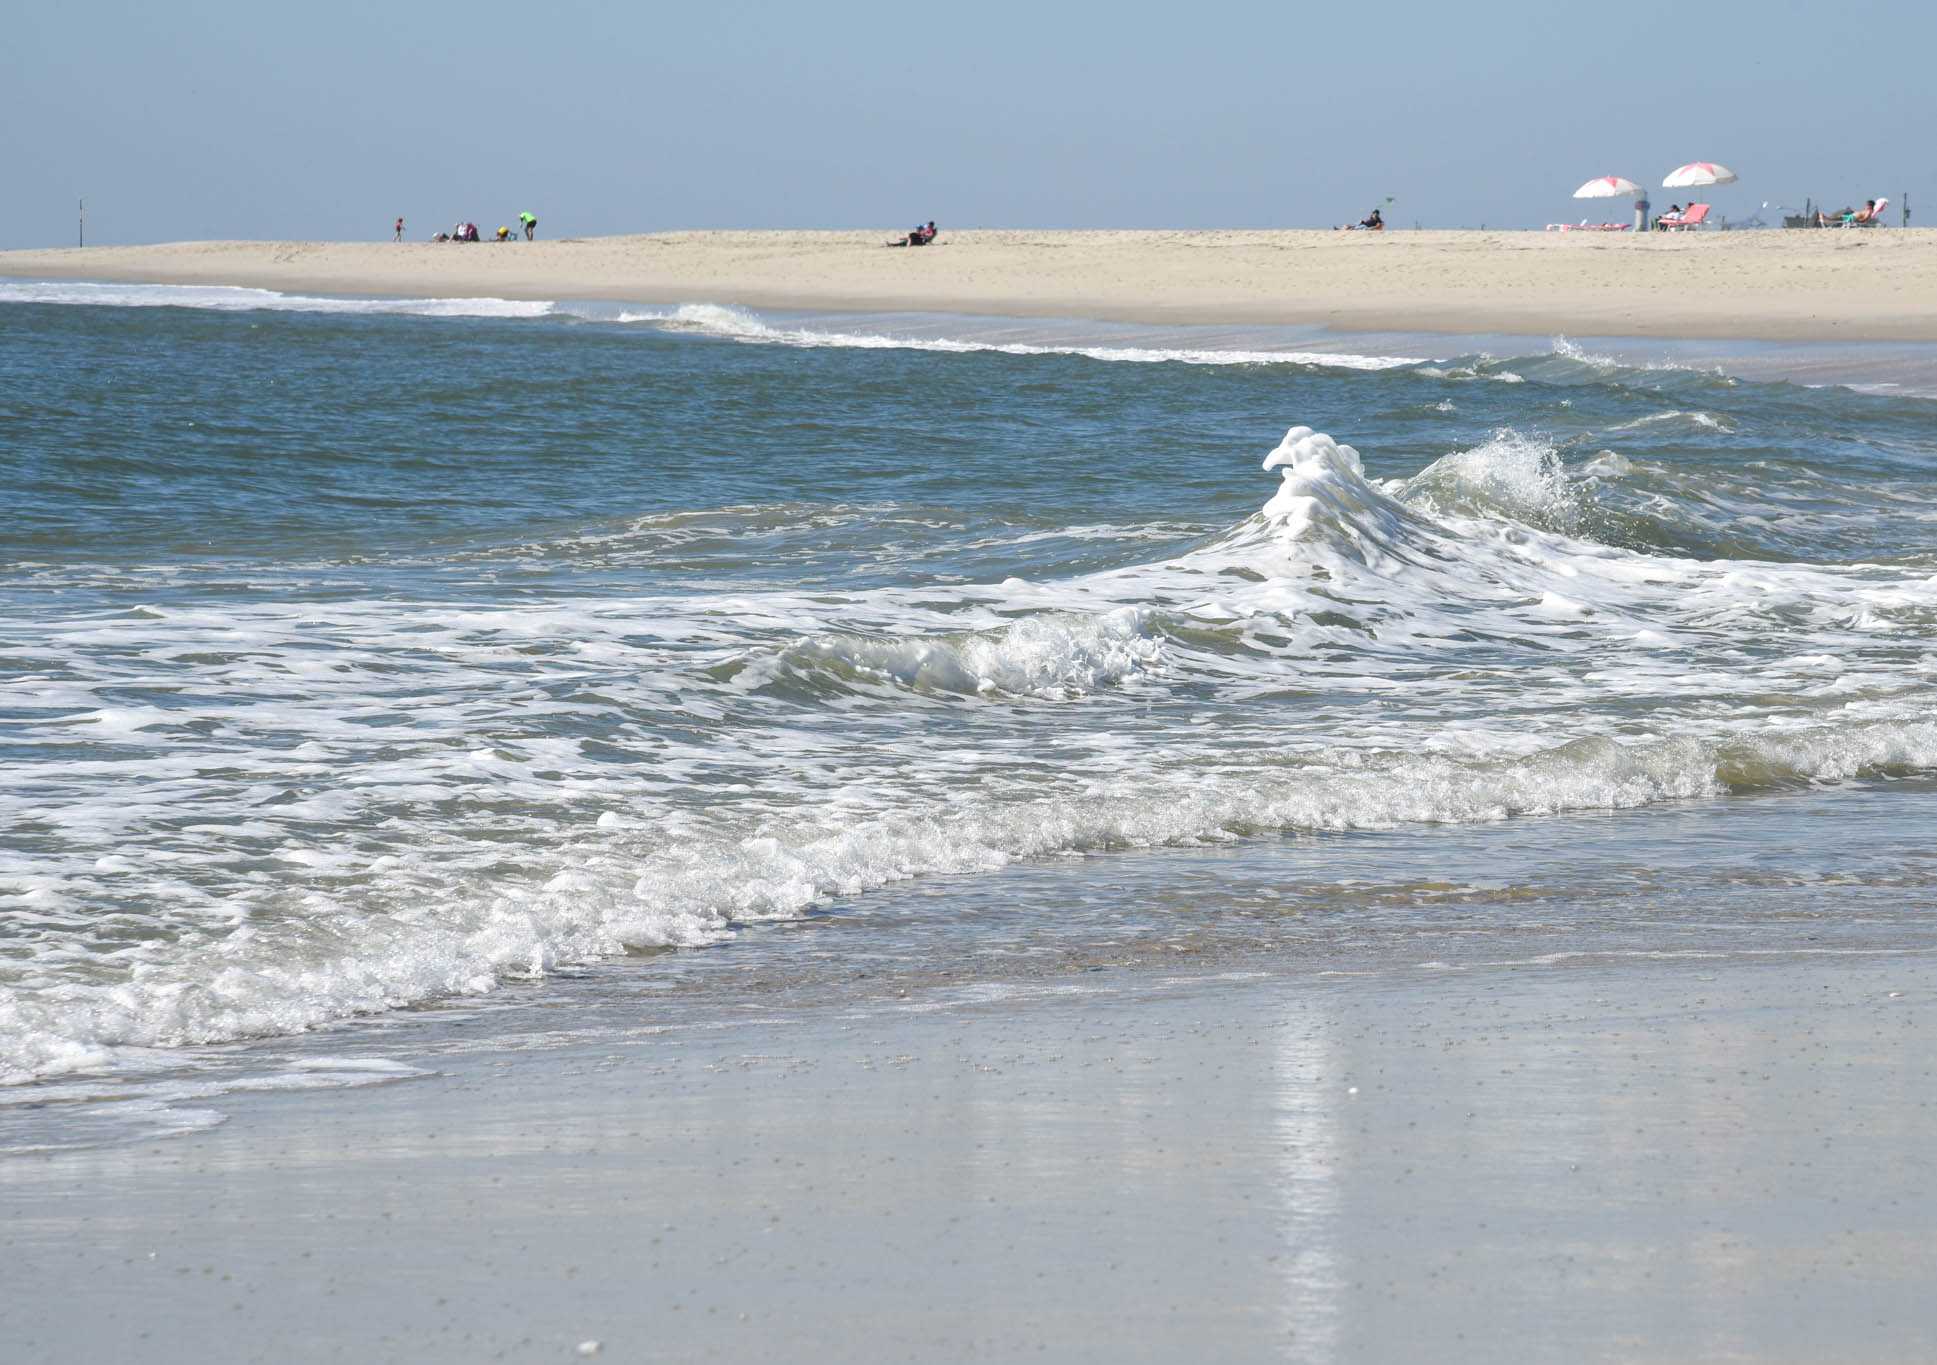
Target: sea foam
{"points": [[270, 815], [739, 324], [236, 299]]}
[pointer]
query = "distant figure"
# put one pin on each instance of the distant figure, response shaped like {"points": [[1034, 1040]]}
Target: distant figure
{"points": [[1373, 223], [400, 231], [503, 235], [917, 235], [1673, 213], [531, 225], [441, 237]]}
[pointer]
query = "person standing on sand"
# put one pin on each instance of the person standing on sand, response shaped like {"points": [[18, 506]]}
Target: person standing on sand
{"points": [[400, 231], [531, 225]]}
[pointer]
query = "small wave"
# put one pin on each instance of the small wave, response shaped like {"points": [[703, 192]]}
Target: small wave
{"points": [[740, 325], [540, 784], [1705, 421], [1567, 364], [236, 299], [642, 885], [1484, 368], [1324, 498], [1052, 657], [151, 1098], [1509, 475]]}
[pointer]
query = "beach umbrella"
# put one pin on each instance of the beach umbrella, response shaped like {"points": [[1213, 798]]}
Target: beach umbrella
{"points": [[1697, 173], [1610, 187]]}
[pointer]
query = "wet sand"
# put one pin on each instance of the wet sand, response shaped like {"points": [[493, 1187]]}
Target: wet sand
{"points": [[1600, 1160], [1830, 285]]}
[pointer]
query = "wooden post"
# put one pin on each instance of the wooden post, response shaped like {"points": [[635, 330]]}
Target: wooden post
{"points": [[84, 222]]}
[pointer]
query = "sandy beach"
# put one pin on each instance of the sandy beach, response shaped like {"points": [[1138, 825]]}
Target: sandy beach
{"points": [[1773, 285], [1571, 1161]]}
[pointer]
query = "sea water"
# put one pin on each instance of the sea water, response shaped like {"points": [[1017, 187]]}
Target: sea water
{"points": [[374, 672]]}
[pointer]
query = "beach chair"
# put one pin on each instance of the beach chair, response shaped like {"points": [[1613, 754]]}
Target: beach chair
{"points": [[1691, 217], [1871, 219], [1864, 217]]}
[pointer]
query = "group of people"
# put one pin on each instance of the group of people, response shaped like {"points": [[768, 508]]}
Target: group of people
{"points": [[468, 231], [917, 236]]}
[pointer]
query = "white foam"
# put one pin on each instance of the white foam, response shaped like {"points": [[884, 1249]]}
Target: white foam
{"points": [[1049, 656], [1508, 475], [710, 319], [740, 324], [476, 793], [235, 299]]}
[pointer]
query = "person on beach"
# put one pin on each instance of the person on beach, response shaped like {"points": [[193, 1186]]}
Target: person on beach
{"points": [[531, 225], [400, 231], [1674, 212], [1372, 222], [917, 235]]}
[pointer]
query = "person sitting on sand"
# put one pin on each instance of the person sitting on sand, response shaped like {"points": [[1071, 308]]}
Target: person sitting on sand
{"points": [[1373, 222], [441, 237], [917, 235], [503, 234]]}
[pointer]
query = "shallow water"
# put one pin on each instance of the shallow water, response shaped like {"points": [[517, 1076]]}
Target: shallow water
{"points": [[364, 656]]}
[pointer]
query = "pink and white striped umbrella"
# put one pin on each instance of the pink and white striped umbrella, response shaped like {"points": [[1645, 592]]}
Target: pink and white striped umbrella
{"points": [[1610, 187], [1697, 173]]}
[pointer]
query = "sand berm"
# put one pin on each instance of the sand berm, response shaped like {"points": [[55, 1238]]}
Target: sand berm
{"points": [[1830, 285]]}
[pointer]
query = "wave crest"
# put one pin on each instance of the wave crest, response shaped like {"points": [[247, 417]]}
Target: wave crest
{"points": [[1052, 656]]}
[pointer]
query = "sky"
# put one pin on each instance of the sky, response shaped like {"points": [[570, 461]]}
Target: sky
{"points": [[182, 121]]}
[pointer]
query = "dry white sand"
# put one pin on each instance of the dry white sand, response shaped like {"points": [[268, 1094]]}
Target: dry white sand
{"points": [[1626, 1160], [1834, 285]]}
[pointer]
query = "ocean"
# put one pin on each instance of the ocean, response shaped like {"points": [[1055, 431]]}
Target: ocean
{"points": [[384, 677]]}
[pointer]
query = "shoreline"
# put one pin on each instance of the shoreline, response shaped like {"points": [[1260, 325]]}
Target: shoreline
{"points": [[1826, 286], [1599, 1030], [1646, 1160]]}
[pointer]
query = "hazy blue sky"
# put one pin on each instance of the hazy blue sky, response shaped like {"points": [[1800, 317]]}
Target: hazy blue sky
{"points": [[325, 121]]}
